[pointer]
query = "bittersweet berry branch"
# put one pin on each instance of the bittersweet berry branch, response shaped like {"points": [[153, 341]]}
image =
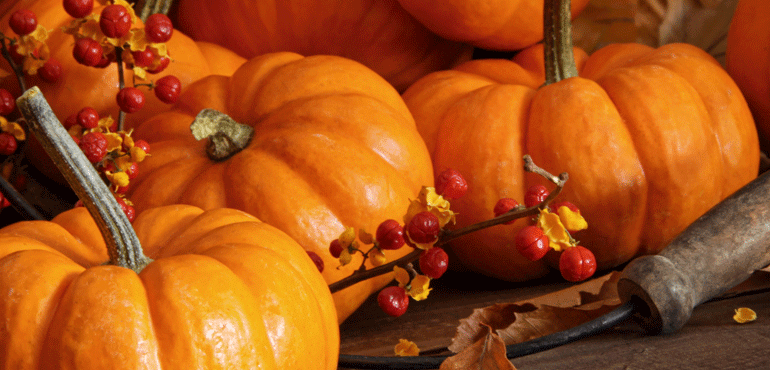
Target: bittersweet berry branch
{"points": [[17, 69], [448, 235]]}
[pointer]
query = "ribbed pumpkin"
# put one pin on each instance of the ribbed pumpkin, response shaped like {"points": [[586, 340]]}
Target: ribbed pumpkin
{"points": [[334, 145], [226, 291], [495, 25], [651, 139], [183, 288], [377, 33], [748, 61], [82, 86]]}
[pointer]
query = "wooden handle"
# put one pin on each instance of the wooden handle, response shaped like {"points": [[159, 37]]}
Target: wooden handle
{"points": [[719, 250]]}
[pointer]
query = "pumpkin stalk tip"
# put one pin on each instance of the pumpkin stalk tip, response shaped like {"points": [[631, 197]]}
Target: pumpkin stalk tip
{"points": [[557, 29], [226, 136]]}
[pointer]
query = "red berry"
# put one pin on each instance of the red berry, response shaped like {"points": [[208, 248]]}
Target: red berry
{"points": [[4, 202], [424, 227], [130, 99], [503, 206], [434, 262], [94, 145], [319, 263], [7, 102], [143, 58], [158, 28], [50, 71], [70, 121], [577, 263], [132, 171], [129, 211], [168, 88], [78, 8], [8, 144], [390, 235], [23, 22], [88, 118], [531, 242], [393, 300], [451, 184], [335, 248], [142, 144], [87, 52], [162, 64], [535, 195], [121, 190], [115, 21]]}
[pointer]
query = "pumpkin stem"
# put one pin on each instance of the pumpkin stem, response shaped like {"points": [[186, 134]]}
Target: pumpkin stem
{"points": [[226, 136], [146, 8], [122, 243], [557, 29]]}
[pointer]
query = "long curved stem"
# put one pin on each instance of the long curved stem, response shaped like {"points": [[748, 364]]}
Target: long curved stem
{"points": [[122, 242]]}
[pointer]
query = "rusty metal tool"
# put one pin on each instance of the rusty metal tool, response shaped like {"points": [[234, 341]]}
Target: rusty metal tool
{"points": [[718, 251]]}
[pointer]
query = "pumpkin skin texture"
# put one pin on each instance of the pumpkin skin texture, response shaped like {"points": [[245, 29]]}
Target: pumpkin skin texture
{"points": [[748, 61], [81, 86], [225, 291], [334, 146], [377, 33], [495, 25], [650, 138]]}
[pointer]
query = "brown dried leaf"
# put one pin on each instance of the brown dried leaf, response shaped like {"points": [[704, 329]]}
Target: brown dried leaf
{"points": [[521, 321], [487, 353]]}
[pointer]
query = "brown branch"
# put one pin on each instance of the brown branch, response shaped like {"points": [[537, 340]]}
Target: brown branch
{"points": [[447, 236]]}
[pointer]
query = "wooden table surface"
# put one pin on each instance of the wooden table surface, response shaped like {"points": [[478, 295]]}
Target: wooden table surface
{"points": [[710, 340]]}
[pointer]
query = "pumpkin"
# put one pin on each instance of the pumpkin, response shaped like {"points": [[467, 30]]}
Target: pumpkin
{"points": [[334, 146], [651, 139], [495, 25], [82, 86], [223, 289], [377, 33], [748, 62]]}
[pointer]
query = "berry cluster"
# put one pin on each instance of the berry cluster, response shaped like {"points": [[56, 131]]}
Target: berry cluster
{"points": [[114, 36], [28, 52], [421, 229], [551, 230]]}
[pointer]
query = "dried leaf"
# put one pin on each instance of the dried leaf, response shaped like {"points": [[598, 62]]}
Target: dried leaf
{"points": [[525, 320], [487, 353]]}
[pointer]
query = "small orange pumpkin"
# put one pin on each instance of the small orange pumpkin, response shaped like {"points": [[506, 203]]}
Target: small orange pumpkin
{"points": [[220, 289], [651, 139], [334, 146], [377, 33], [225, 291]]}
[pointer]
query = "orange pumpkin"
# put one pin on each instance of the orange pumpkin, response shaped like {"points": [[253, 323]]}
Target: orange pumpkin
{"points": [[82, 86], [748, 62], [495, 25], [183, 288], [226, 291], [377, 33], [651, 139], [334, 146]]}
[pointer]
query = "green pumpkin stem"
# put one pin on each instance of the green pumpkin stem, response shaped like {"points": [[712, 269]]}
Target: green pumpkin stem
{"points": [[146, 8], [557, 29], [226, 136], [122, 243]]}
